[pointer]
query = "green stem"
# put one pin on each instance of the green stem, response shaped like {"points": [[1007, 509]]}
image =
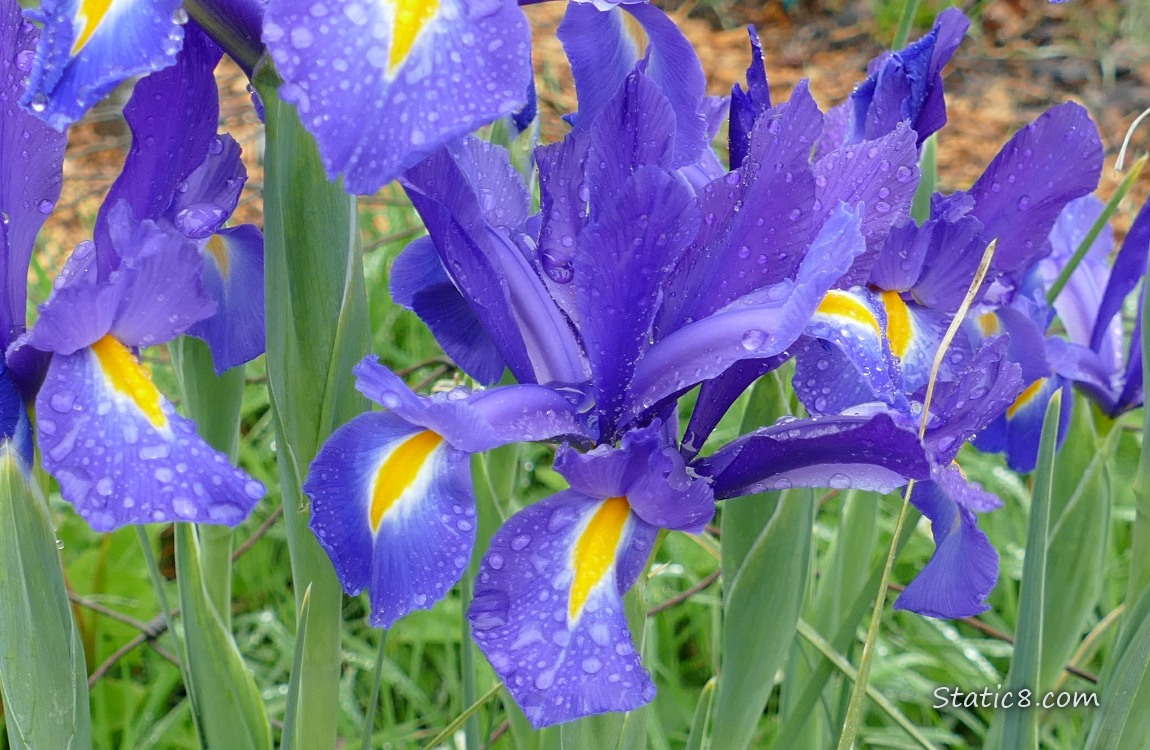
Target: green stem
{"points": [[376, 680], [905, 21], [467, 665], [317, 330]]}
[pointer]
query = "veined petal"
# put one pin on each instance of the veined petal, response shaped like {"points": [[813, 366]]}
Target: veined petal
{"points": [[33, 157], [759, 325], [548, 609], [173, 115], [89, 46], [123, 455], [962, 572], [863, 452], [419, 282], [393, 506], [380, 85], [233, 278]]}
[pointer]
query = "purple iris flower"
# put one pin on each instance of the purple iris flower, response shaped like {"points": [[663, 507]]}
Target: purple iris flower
{"points": [[180, 171], [631, 286], [33, 158]]}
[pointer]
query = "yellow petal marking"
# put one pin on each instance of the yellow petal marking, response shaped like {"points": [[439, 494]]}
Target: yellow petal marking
{"points": [[219, 253], [130, 378], [988, 324], [596, 550], [898, 326], [845, 305], [398, 471], [1025, 397], [411, 16], [88, 19]]}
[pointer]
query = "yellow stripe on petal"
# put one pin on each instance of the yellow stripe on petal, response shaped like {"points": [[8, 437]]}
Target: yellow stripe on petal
{"points": [[899, 330], [398, 472], [88, 19], [596, 550], [130, 378], [411, 16], [845, 305], [988, 324], [219, 253], [1025, 397]]}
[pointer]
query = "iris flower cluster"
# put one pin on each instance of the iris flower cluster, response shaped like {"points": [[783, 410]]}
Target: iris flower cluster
{"points": [[650, 270]]}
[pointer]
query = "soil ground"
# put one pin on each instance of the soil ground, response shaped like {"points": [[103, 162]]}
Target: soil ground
{"points": [[1021, 57]]}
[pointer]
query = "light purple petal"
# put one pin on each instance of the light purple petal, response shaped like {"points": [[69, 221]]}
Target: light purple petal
{"points": [[409, 543], [560, 661], [376, 111], [73, 71], [119, 463]]}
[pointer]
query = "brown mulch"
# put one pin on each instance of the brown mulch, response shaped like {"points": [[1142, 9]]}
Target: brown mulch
{"points": [[1021, 57]]}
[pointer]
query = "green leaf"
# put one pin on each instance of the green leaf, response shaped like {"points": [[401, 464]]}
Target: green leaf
{"points": [[1077, 559], [1123, 722], [1020, 728], [761, 608], [223, 692], [317, 330], [43, 678], [699, 738], [928, 165]]}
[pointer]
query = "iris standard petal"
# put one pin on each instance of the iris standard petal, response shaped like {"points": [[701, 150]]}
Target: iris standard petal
{"points": [[233, 277], [548, 609], [382, 85], [756, 326], [964, 567], [393, 507], [173, 115], [123, 455], [621, 262], [748, 106], [883, 175], [1047, 164], [33, 157], [88, 47], [1129, 267]]}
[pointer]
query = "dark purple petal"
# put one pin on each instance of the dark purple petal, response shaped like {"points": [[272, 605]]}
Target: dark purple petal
{"points": [[1047, 164], [907, 85], [495, 276], [233, 278], [33, 157], [757, 326], [1129, 268], [420, 283], [757, 221], [204, 201], [962, 572], [562, 654], [968, 400], [883, 174], [393, 507], [649, 472], [173, 115], [377, 102], [718, 394], [78, 63], [863, 452], [14, 424], [747, 106], [123, 455], [620, 266]]}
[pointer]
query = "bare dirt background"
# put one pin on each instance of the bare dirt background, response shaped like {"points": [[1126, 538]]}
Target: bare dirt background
{"points": [[1020, 57]]}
